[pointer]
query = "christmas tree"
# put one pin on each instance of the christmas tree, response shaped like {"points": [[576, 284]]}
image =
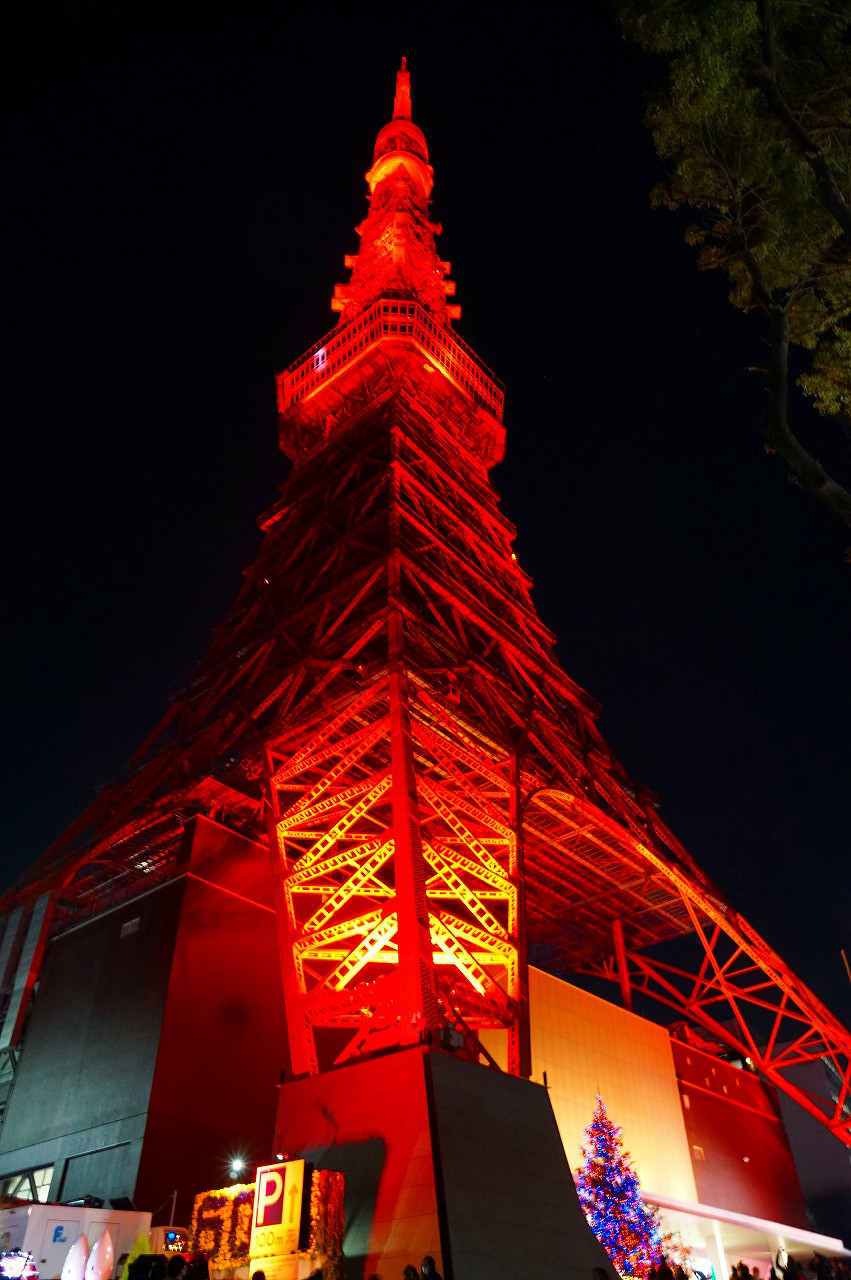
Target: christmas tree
{"points": [[611, 1198]]}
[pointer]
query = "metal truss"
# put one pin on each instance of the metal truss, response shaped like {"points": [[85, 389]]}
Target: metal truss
{"points": [[739, 993], [743, 996], [383, 704], [345, 843], [521, 828]]}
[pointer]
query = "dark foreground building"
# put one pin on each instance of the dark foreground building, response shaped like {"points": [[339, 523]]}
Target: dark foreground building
{"points": [[155, 1043], [377, 801]]}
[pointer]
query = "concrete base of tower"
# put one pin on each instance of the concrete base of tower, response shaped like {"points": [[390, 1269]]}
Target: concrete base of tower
{"points": [[447, 1158]]}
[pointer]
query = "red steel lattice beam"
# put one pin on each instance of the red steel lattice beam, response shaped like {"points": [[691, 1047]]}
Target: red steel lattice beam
{"points": [[741, 992], [436, 789]]}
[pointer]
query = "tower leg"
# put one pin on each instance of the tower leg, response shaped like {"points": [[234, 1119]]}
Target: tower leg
{"points": [[623, 967], [417, 980], [417, 983], [519, 1033], [300, 1036]]}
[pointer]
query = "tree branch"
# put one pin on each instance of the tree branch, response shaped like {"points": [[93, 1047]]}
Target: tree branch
{"points": [[741, 249], [826, 185], [807, 470]]}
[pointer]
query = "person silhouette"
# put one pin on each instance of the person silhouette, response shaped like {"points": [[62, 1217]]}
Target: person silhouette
{"points": [[428, 1270]]}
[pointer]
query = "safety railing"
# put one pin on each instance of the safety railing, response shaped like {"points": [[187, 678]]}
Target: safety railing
{"points": [[391, 318]]}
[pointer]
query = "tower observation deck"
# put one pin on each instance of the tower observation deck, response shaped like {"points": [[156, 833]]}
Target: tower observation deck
{"points": [[383, 707]]}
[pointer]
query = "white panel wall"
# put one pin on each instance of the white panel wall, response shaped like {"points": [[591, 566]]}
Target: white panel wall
{"points": [[586, 1045]]}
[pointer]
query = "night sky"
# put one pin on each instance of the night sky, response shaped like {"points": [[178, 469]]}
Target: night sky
{"points": [[181, 185]]}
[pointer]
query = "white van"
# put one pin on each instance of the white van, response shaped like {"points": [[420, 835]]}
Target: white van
{"points": [[47, 1231]]}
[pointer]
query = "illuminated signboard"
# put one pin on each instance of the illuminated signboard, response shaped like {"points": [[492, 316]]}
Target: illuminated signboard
{"points": [[277, 1209]]}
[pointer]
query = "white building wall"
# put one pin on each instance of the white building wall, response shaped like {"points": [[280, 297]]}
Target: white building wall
{"points": [[587, 1046]]}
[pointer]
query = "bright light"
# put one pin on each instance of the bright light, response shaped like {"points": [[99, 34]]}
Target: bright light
{"points": [[237, 1165], [17, 1265]]}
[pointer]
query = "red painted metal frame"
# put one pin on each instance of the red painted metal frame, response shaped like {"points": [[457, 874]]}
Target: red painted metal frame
{"points": [[590, 854], [744, 997], [739, 992], [384, 701], [400, 906]]}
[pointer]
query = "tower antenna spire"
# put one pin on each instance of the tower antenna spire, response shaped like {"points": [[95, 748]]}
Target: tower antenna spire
{"points": [[402, 101], [398, 256]]}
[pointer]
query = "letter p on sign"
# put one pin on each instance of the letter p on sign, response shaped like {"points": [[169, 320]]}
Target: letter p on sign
{"points": [[276, 1220], [270, 1198]]}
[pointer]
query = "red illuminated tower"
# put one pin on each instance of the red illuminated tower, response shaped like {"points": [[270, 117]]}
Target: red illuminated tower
{"points": [[383, 705], [437, 785]]}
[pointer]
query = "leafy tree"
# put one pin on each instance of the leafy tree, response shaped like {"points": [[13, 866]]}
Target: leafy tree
{"points": [[753, 117], [610, 1196]]}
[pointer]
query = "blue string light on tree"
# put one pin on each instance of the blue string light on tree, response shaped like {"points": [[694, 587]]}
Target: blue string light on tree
{"points": [[610, 1195]]}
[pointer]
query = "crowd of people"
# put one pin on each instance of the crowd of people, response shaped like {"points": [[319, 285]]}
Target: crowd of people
{"points": [[663, 1271], [427, 1271], [157, 1266], [178, 1267], [821, 1268]]}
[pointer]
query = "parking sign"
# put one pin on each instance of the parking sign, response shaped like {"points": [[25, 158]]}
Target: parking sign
{"points": [[277, 1209]]}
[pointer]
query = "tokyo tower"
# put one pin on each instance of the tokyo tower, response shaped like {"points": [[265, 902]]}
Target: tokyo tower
{"points": [[384, 709]]}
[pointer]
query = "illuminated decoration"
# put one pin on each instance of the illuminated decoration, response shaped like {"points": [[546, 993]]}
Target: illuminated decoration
{"points": [[384, 706], [174, 1240], [99, 1265], [677, 1253], [221, 1224], [74, 1266], [18, 1264], [609, 1193], [142, 1244], [327, 1222]]}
